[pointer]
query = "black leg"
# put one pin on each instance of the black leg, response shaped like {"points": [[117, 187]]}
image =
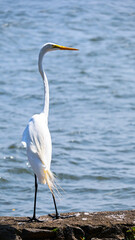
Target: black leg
{"points": [[57, 216], [35, 199]]}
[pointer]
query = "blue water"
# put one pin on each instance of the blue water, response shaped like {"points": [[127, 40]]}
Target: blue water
{"points": [[92, 103]]}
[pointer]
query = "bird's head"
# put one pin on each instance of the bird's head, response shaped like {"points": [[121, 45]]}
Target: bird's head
{"points": [[47, 48]]}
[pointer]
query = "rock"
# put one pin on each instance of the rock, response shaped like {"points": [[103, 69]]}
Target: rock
{"points": [[83, 226], [30, 233]]}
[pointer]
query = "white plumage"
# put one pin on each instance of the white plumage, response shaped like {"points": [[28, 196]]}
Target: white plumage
{"points": [[37, 139]]}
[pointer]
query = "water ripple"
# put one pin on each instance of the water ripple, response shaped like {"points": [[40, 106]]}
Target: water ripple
{"points": [[92, 91]]}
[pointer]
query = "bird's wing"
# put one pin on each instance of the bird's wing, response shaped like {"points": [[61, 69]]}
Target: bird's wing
{"points": [[24, 137], [37, 138]]}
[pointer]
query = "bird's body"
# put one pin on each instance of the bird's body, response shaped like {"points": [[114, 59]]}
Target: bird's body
{"points": [[36, 137], [39, 147]]}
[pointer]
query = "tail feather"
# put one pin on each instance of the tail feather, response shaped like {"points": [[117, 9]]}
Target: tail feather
{"points": [[50, 180]]}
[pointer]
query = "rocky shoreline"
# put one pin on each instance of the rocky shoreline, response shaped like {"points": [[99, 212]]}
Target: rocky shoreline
{"points": [[83, 226]]}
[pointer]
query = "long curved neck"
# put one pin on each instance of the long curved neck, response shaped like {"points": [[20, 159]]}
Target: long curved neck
{"points": [[45, 81], [46, 96]]}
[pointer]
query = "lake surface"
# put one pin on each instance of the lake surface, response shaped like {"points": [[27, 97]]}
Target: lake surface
{"points": [[92, 103]]}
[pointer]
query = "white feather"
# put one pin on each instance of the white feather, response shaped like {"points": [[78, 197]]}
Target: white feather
{"points": [[37, 139]]}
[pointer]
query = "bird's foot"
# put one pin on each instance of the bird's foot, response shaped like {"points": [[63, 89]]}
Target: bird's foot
{"points": [[34, 219], [54, 217]]}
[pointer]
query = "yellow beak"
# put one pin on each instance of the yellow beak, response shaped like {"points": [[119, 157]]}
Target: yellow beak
{"points": [[64, 48]]}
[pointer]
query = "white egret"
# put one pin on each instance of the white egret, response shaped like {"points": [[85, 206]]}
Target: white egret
{"points": [[36, 136]]}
